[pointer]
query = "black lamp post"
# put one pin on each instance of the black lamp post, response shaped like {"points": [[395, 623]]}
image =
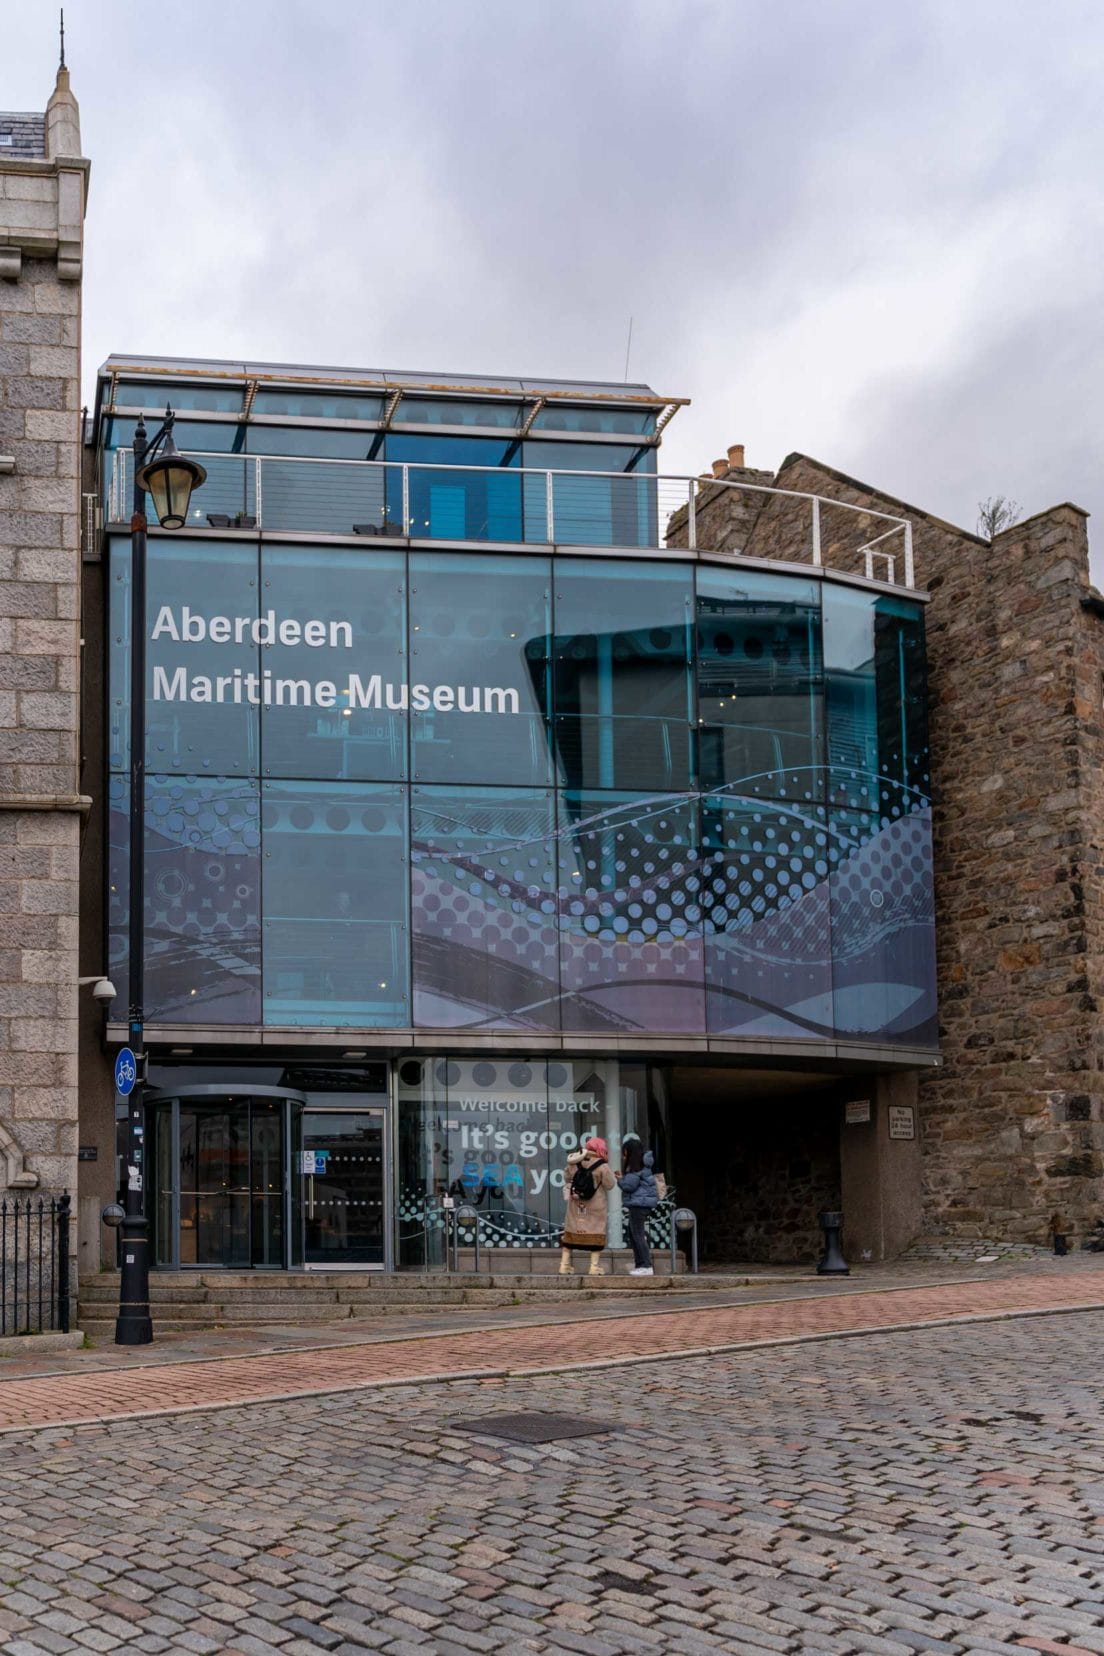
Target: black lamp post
{"points": [[170, 478]]}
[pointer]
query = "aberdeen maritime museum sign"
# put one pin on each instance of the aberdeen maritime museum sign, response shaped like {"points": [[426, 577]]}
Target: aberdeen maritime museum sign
{"points": [[176, 682]]}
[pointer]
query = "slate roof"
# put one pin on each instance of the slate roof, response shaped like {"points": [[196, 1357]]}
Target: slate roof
{"points": [[23, 136]]}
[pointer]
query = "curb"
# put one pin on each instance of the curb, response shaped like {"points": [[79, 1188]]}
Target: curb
{"points": [[16, 1345], [391, 1384]]}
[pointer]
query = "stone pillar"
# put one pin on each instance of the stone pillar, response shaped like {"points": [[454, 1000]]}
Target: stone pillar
{"points": [[42, 190], [880, 1171]]}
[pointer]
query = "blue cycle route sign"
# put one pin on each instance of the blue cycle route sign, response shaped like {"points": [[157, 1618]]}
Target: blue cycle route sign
{"points": [[126, 1072]]}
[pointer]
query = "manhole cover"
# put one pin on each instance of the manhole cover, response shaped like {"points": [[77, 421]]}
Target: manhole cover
{"points": [[530, 1428]]}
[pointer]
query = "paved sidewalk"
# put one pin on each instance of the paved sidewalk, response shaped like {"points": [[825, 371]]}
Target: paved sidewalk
{"points": [[126, 1392], [938, 1491], [762, 1285]]}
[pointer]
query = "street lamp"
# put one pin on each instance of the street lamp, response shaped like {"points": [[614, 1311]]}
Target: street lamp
{"points": [[170, 478]]}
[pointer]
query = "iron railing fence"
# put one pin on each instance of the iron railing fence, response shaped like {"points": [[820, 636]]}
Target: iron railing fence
{"points": [[646, 511], [34, 1264]]}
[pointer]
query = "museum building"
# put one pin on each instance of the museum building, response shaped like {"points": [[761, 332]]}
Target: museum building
{"points": [[643, 763], [486, 807]]}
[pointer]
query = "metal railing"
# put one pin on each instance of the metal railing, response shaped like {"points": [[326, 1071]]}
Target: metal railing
{"points": [[383, 498], [34, 1264]]}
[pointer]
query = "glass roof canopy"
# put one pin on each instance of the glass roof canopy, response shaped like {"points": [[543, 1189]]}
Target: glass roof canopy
{"points": [[304, 376]]}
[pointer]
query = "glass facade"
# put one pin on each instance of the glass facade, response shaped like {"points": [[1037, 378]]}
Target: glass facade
{"points": [[495, 1134], [440, 790], [442, 468]]}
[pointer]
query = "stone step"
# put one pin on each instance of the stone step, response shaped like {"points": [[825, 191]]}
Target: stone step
{"points": [[169, 1285], [200, 1316], [292, 1307]]}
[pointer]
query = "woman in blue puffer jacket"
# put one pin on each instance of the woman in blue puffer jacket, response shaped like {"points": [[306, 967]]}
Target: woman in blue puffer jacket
{"points": [[639, 1196]]}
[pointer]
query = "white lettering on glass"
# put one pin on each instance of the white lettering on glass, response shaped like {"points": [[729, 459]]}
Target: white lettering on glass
{"points": [[267, 689]]}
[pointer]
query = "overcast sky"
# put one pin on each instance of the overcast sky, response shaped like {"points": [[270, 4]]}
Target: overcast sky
{"points": [[864, 229]]}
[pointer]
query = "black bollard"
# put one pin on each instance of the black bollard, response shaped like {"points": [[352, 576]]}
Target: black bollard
{"points": [[832, 1262]]}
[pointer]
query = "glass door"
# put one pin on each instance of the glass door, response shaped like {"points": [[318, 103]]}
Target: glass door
{"points": [[341, 1189], [214, 1184], [266, 1182], [231, 1182]]}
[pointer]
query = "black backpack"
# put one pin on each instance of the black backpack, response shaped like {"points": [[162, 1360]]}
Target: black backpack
{"points": [[583, 1183]]}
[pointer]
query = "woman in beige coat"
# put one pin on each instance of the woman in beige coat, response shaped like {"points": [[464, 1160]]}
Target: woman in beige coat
{"points": [[585, 1221]]}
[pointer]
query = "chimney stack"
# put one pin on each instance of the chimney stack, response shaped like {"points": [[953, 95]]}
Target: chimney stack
{"points": [[736, 456], [720, 468]]}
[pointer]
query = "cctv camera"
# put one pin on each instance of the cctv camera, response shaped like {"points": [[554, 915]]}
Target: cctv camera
{"points": [[103, 990]]}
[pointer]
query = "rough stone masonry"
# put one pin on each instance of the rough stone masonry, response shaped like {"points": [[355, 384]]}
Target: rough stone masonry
{"points": [[43, 186], [1012, 1125]]}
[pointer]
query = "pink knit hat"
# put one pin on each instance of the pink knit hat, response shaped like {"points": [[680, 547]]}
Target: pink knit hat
{"points": [[598, 1147]]}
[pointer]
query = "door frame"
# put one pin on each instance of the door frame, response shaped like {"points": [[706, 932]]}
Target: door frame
{"points": [[384, 1112], [208, 1093]]}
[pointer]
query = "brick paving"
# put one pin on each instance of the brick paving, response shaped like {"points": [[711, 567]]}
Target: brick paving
{"points": [[76, 1397], [940, 1490]]}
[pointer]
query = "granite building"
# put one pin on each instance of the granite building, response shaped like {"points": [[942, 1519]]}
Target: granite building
{"points": [[43, 187]]}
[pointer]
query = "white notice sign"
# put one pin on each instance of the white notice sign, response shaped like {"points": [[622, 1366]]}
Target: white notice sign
{"points": [[902, 1121], [858, 1110]]}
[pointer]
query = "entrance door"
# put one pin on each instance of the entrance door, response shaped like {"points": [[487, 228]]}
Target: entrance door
{"points": [[232, 1182], [342, 1189]]}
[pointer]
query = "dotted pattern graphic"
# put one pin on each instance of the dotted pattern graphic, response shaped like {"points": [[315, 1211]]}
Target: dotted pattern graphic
{"points": [[676, 912]]}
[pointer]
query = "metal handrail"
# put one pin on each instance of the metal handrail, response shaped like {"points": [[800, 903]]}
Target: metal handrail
{"points": [[683, 500]]}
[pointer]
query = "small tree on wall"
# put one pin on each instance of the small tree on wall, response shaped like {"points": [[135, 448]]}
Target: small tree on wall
{"points": [[995, 514]]}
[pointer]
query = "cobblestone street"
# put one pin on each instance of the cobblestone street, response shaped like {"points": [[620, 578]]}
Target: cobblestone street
{"points": [[937, 1490]]}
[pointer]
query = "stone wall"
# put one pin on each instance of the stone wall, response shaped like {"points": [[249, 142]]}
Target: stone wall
{"points": [[755, 1168], [765, 1187], [40, 807], [1012, 1126]]}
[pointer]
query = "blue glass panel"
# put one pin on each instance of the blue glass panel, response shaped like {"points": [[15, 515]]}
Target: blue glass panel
{"points": [[877, 700], [438, 450], [313, 442], [213, 399], [226, 489], [768, 942], [202, 901], [629, 422], [483, 871], [479, 653], [227, 499], [630, 914], [334, 656], [203, 685], [323, 497], [596, 457], [591, 511], [206, 436], [317, 405], [623, 682], [335, 919], [461, 504], [444, 411], [117, 903], [118, 654], [760, 684], [883, 926]]}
